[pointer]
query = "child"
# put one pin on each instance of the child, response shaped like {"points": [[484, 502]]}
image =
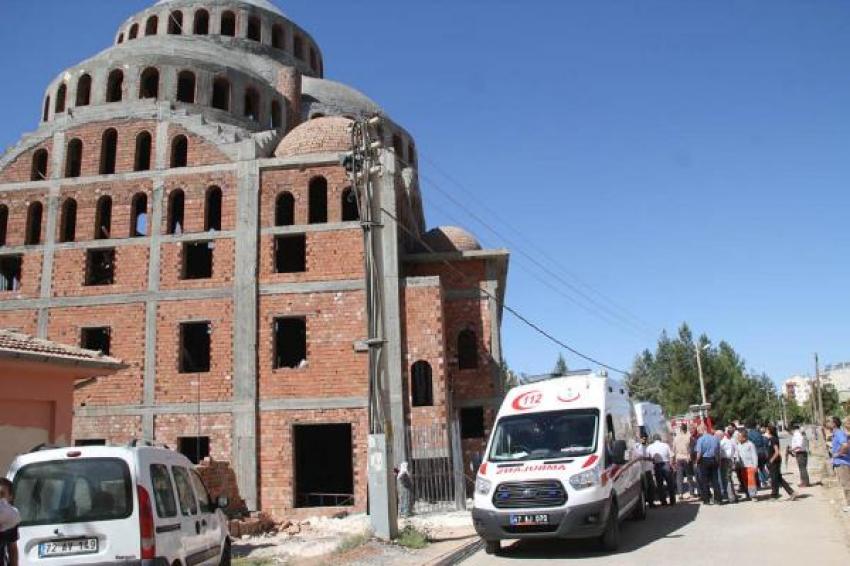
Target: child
{"points": [[749, 459]]}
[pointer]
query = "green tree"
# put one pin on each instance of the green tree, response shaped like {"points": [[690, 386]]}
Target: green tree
{"points": [[643, 381], [560, 366], [831, 405]]}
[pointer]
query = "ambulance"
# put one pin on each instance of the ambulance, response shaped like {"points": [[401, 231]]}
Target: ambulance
{"points": [[560, 464]]}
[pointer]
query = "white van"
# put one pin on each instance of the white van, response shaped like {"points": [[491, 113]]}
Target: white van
{"points": [[108, 505], [560, 464], [651, 420]]}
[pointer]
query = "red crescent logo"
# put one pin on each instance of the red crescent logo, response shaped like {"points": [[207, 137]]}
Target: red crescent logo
{"points": [[575, 397], [527, 401]]}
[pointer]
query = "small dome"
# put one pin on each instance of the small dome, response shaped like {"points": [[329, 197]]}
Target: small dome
{"points": [[450, 239], [264, 4], [331, 97], [319, 135]]}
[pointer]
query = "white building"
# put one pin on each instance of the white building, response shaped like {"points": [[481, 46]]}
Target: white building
{"points": [[839, 376], [798, 388]]}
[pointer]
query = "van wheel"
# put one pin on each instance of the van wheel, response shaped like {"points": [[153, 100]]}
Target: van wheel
{"points": [[639, 513], [225, 554], [493, 547], [610, 539]]}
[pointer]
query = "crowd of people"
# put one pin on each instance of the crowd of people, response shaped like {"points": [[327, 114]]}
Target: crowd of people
{"points": [[724, 466]]}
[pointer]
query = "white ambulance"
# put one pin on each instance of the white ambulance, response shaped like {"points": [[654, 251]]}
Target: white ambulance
{"points": [[651, 420], [560, 464]]}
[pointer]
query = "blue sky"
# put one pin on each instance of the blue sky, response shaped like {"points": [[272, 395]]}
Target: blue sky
{"points": [[688, 161]]}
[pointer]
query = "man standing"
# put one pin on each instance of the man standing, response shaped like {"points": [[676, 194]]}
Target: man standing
{"points": [[707, 454], [647, 482], [682, 454], [661, 455], [728, 457], [840, 450], [800, 449], [9, 520], [755, 436]]}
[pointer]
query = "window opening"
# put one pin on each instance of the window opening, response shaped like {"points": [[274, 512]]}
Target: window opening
{"points": [[120, 38], [39, 165], [149, 83], [100, 267], [197, 260], [142, 162], [299, 47], [255, 29], [212, 210], [68, 224], [196, 448], [290, 253], [10, 272], [276, 115], [221, 94], [325, 477], [472, 422], [195, 347], [290, 343], [60, 98], [314, 63], [84, 90], [74, 158], [228, 24], [103, 218], [284, 209], [179, 151], [134, 31], [115, 86], [202, 22], [175, 23], [33, 232], [467, 350], [46, 113], [4, 223], [176, 202], [252, 104], [411, 155], [96, 339], [398, 147], [186, 87], [139, 215], [151, 26], [350, 212], [422, 387], [318, 200], [278, 37], [108, 151]]}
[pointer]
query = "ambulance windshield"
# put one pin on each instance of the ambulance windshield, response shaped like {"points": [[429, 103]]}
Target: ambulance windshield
{"points": [[537, 436]]}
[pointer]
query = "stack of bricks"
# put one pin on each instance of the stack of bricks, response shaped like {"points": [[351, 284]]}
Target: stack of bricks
{"points": [[220, 479]]}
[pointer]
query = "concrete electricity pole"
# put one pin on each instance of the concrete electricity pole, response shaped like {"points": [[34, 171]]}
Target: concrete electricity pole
{"points": [[699, 369]]}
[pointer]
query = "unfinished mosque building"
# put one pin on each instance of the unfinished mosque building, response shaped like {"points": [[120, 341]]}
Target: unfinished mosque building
{"points": [[182, 207]]}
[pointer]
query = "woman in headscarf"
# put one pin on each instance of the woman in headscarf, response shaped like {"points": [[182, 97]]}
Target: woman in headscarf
{"points": [[404, 482]]}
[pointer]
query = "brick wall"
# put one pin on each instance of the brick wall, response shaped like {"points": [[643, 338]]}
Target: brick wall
{"points": [[31, 266], [117, 430], [18, 203], [171, 271], [330, 255], [130, 275], [25, 321], [194, 189], [87, 196], [297, 182], [218, 427], [20, 169]]}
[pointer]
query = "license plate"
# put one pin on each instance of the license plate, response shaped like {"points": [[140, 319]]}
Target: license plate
{"points": [[529, 520], [67, 547]]}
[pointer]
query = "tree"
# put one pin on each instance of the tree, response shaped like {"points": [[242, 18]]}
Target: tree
{"points": [[831, 404], [560, 366], [643, 382]]}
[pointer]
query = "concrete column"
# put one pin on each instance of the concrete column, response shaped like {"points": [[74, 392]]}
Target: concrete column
{"points": [[49, 249], [151, 306]]}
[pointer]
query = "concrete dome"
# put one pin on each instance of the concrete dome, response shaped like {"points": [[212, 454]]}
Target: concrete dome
{"points": [[333, 98], [450, 239], [320, 135], [264, 4]]}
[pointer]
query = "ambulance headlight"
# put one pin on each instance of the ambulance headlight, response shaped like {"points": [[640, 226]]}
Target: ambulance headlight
{"points": [[482, 485], [585, 479]]}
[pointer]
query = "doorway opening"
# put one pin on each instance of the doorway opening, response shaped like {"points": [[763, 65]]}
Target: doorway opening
{"points": [[323, 478]]}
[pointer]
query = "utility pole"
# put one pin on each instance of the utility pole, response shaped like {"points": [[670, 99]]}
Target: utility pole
{"points": [[363, 165], [699, 369], [819, 396]]}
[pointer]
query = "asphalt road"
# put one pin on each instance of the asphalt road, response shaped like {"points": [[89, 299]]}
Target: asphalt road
{"points": [[806, 532]]}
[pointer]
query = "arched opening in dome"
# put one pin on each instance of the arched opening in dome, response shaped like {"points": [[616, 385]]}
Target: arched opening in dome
{"points": [[398, 147], [74, 158], [421, 384], [39, 165], [228, 23], [176, 202], [103, 218], [139, 215], [202, 23], [142, 160], [175, 23], [299, 47], [252, 104], [61, 92], [276, 115], [221, 94], [316, 115], [134, 31], [84, 90], [467, 350], [151, 26], [350, 212], [212, 209], [255, 29], [179, 151], [278, 37], [149, 83], [186, 87], [318, 200], [120, 38], [314, 62], [46, 112], [411, 154], [4, 223], [32, 235], [115, 86], [108, 151], [68, 221], [284, 209]]}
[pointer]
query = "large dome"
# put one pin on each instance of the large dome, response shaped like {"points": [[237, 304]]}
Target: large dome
{"points": [[320, 135], [450, 239], [264, 4]]}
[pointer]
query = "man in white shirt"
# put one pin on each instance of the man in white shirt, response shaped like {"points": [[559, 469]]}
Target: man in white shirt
{"points": [[661, 455], [728, 457], [647, 483], [800, 449]]}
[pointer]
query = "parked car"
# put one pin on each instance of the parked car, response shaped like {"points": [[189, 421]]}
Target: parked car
{"points": [[559, 464], [109, 504]]}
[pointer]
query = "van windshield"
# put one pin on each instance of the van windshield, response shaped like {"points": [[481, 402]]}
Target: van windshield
{"points": [[555, 434], [73, 491]]}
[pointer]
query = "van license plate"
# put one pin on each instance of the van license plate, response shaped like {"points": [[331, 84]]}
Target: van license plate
{"points": [[67, 547], [529, 520]]}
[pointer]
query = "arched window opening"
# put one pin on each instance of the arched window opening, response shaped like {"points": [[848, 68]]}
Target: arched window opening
{"points": [[318, 200], [299, 47], [120, 38], [149, 83], [151, 26], [39, 165], [186, 87], [68, 221], [467, 350], [278, 37], [252, 104], [314, 62], [421, 384], [411, 154], [176, 202], [142, 161], [115, 86], [108, 151], [284, 209], [228, 24], [179, 151], [84, 91], [398, 147], [60, 98], [350, 212], [255, 29], [221, 94], [134, 31], [139, 215], [175, 23], [32, 237], [103, 218], [212, 210], [276, 115], [46, 113], [316, 115], [4, 223], [202, 22], [74, 158]]}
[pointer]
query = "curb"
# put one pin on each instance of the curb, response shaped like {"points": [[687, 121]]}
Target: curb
{"points": [[459, 554]]}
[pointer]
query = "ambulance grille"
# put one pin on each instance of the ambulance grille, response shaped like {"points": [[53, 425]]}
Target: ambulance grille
{"points": [[529, 494]]}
